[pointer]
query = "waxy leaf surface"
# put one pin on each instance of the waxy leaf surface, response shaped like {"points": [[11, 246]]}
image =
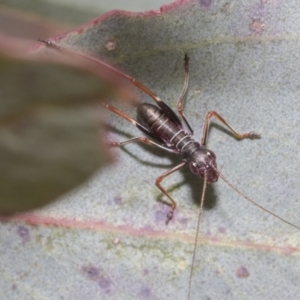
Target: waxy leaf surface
{"points": [[109, 240]]}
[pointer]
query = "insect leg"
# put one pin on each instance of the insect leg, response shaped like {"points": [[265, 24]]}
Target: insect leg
{"points": [[138, 125], [157, 183], [143, 140], [209, 115], [183, 94]]}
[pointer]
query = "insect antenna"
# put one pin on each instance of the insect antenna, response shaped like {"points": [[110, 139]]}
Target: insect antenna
{"points": [[197, 233], [252, 201]]}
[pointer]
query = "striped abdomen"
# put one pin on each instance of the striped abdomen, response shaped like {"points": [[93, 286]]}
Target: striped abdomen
{"points": [[163, 129]]}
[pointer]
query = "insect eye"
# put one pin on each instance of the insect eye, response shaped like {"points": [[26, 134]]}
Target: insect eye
{"points": [[210, 155]]}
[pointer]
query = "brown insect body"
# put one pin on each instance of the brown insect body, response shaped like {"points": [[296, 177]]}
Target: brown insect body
{"points": [[170, 132]]}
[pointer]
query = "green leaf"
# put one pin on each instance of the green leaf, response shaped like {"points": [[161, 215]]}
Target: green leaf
{"points": [[244, 63], [50, 134]]}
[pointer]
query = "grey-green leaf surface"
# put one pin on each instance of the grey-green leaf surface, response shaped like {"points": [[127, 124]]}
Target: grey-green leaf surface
{"points": [[108, 240]]}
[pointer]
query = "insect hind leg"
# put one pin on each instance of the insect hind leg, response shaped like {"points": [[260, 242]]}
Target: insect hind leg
{"points": [[210, 114], [180, 104], [138, 125], [143, 140]]}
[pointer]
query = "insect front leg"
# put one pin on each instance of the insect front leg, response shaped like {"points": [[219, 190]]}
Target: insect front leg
{"points": [[157, 183], [209, 115]]}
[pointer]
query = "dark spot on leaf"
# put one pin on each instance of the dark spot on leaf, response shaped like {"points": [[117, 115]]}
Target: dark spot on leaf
{"points": [[98, 275], [228, 291], [184, 220], [23, 233], [145, 293], [92, 272], [105, 283], [242, 272], [145, 272], [259, 12], [222, 229], [161, 213], [206, 3], [160, 216], [118, 200]]}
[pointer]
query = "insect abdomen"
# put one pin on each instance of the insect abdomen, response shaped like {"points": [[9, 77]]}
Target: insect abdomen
{"points": [[160, 125]]}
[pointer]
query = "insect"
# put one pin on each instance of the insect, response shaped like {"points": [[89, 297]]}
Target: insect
{"points": [[165, 131]]}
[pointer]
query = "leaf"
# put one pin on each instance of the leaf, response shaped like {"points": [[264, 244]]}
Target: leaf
{"points": [[244, 64], [50, 137]]}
